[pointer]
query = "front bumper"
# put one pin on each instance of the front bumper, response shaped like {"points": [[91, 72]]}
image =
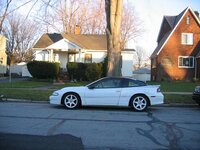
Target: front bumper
{"points": [[196, 97], [54, 100]]}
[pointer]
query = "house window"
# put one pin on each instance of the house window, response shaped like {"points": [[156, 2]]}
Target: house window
{"points": [[72, 57], [188, 20], [88, 58], [186, 62], [187, 38]]}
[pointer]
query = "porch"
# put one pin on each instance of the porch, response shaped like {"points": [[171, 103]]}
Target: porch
{"points": [[70, 55]]}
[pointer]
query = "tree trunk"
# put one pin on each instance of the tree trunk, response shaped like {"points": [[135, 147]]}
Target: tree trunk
{"points": [[113, 16]]}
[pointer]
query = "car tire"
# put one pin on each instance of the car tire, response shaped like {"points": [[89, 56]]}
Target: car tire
{"points": [[71, 100], [139, 102]]}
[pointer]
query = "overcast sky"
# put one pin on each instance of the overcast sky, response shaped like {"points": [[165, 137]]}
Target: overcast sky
{"points": [[151, 12]]}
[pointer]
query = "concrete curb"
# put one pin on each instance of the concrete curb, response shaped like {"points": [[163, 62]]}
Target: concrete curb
{"points": [[22, 100], [47, 102]]}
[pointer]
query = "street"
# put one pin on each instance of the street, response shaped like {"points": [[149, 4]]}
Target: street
{"points": [[97, 128]]}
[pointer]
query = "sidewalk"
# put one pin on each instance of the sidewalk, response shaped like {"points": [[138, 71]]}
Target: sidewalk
{"points": [[13, 79], [178, 93]]}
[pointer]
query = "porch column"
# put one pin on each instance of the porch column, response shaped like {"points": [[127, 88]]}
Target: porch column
{"points": [[51, 55], [79, 56]]}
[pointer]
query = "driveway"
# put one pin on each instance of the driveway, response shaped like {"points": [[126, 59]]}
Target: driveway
{"points": [[101, 128]]}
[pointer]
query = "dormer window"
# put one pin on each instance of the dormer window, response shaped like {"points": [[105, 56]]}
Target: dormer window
{"points": [[188, 20]]}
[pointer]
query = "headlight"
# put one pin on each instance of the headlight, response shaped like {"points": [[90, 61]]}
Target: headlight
{"points": [[55, 94]]}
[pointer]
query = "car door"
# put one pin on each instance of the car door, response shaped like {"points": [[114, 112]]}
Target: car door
{"points": [[104, 92]]}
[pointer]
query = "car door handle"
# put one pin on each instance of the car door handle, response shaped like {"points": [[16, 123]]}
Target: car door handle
{"points": [[118, 91]]}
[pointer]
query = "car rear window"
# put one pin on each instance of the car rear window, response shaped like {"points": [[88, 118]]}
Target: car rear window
{"points": [[133, 83]]}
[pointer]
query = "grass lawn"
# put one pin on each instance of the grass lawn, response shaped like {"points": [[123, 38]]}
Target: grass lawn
{"points": [[24, 90], [34, 95], [181, 99], [25, 84], [176, 86]]}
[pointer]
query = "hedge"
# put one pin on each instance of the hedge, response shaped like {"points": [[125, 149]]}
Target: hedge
{"points": [[93, 71], [85, 72], [43, 69]]}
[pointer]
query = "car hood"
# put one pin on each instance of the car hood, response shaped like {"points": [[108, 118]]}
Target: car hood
{"points": [[73, 89]]}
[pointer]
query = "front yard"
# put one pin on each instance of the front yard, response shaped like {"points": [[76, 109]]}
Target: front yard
{"points": [[176, 86], [32, 90], [40, 91]]}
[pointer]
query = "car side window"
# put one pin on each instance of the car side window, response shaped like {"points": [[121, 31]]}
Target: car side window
{"points": [[133, 83], [110, 83]]}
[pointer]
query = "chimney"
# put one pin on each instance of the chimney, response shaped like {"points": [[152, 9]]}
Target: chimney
{"points": [[197, 14], [77, 29]]}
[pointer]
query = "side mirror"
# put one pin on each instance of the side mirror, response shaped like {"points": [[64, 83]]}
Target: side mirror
{"points": [[91, 87]]}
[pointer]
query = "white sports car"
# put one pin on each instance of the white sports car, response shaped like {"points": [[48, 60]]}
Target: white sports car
{"points": [[110, 91]]}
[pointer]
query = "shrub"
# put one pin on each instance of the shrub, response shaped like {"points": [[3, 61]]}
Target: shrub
{"points": [[72, 68], [76, 71], [43, 69], [93, 71], [104, 67], [84, 72]]}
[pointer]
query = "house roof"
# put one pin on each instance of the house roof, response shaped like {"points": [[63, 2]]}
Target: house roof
{"points": [[94, 42], [173, 22]]}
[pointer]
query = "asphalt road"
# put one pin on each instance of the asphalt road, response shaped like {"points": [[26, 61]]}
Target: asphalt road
{"points": [[42, 126]]}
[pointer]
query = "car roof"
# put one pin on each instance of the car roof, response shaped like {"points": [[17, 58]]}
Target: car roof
{"points": [[119, 78]]}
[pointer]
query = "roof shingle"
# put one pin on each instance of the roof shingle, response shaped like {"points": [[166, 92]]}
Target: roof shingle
{"points": [[94, 42]]}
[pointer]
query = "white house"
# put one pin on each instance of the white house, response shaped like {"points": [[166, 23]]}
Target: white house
{"points": [[64, 48], [143, 74], [20, 69]]}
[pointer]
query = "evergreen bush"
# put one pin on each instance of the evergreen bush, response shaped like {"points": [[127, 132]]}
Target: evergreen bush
{"points": [[43, 69]]}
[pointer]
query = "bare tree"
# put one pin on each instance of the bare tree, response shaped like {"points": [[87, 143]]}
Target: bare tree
{"points": [[3, 13], [8, 7], [113, 15], [64, 15], [96, 20], [142, 58], [20, 33], [131, 26]]}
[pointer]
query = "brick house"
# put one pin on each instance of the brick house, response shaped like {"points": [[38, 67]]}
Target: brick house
{"points": [[177, 56]]}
